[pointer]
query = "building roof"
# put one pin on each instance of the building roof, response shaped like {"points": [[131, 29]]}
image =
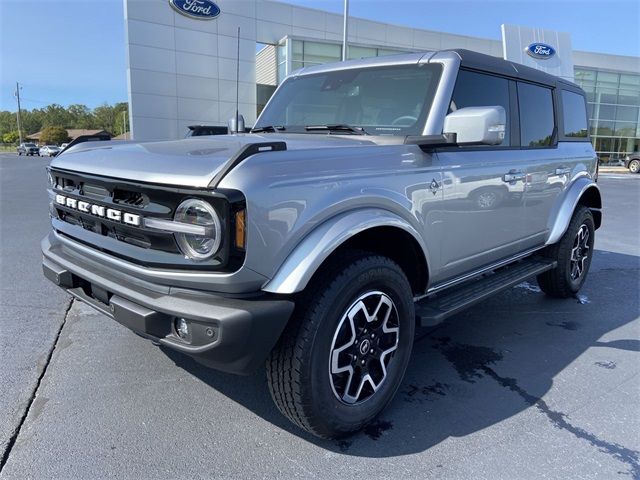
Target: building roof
{"points": [[73, 133]]}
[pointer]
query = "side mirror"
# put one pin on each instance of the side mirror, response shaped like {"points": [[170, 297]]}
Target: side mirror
{"points": [[477, 125]]}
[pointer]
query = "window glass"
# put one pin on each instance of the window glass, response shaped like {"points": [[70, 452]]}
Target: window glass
{"points": [[607, 112], [575, 115], [382, 52], [536, 115], [383, 100], [361, 52], [629, 97], [627, 114], [316, 53], [479, 90]]}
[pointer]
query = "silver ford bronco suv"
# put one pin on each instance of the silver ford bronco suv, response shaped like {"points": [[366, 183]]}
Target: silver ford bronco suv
{"points": [[371, 196]]}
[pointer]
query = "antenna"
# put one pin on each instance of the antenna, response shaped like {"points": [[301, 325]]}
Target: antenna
{"points": [[238, 86], [236, 123]]}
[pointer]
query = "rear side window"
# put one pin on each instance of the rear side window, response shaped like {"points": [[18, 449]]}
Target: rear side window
{"points": [[536, 115], [574, 111], [479, 90]]}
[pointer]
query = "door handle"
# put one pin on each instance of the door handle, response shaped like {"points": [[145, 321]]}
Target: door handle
{"points": [[563, 170], [513, 176]]}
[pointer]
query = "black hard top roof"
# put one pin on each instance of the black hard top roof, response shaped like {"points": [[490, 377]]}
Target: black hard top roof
{"points": [[488, 63]]}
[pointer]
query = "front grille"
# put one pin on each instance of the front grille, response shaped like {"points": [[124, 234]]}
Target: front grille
{"points": [[137, 243]]}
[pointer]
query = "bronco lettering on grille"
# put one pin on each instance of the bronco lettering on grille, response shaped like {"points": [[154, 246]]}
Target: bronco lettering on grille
{"points": [[99, 210]]}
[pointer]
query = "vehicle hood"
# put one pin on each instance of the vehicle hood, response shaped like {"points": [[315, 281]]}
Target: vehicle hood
{"points": [[191, 162]]}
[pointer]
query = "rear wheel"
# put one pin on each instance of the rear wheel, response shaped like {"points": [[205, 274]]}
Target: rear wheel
{"points": [[342, 357], [634, 166], [573, 253]]}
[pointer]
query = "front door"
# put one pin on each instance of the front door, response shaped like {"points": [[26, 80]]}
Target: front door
{"points": [[483, 186]]}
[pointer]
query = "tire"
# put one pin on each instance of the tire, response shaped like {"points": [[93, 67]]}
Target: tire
{"points": [[19, 154], [308, 370], [573, 253], [634, 166]]}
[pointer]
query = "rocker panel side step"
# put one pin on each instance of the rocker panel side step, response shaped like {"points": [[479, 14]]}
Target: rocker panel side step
{"points": [[433, 310]]}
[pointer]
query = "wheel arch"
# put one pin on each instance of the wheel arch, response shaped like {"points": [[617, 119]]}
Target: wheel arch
{"points": [[373, 230], [583, 192]]}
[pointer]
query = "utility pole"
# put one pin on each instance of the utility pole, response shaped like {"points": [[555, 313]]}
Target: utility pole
{"points": [[345, 31], [18, 113], [124, 124]]}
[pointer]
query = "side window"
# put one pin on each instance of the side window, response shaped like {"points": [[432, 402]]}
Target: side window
{"points": [[480, 90], [536, 115], [574, 112]]}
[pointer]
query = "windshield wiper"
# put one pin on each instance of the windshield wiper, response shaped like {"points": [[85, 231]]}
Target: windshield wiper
{"points": [[337, 128], [268, 128]]}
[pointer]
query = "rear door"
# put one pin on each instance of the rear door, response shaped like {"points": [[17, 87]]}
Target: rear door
{"points": [[483, 186], [558, 148]]}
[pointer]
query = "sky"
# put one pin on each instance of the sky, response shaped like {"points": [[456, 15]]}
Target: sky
{"points": [[73, 51]]}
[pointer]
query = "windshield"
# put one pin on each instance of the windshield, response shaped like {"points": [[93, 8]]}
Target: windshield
{"points": [[29, 144], [382, 100]]}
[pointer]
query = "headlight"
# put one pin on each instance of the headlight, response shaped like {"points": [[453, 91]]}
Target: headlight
{"points": [[50, 180], [199, 246]]}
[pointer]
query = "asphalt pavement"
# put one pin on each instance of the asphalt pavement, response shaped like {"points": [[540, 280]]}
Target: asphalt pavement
{"points": [[520, 386]]}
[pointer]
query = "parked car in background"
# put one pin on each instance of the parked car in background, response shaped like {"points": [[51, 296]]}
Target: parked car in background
{"points": [[28, 149], [63, 146], [632, 162], [49, 150], [202, 130]]}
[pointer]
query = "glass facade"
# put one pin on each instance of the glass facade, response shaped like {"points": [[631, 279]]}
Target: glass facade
{"points": [[613, 98], [614, 111], [305, 53]]}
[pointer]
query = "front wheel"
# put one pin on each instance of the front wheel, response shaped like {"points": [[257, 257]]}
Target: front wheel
{"points": [[343, 356], [573, 253], [634, 166]]}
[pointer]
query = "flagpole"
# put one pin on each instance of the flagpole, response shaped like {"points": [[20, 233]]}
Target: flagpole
{"points": [[345, 31]]}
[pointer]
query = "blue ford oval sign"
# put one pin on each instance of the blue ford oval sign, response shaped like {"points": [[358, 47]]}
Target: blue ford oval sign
{"points": [[200, 9], [541, 51]]}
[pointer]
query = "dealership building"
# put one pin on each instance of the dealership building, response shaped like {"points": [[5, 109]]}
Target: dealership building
{"points": [[182, 62]]}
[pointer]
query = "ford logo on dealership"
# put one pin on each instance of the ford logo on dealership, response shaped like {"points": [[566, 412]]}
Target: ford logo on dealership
{"points": [[541, 51], [200, 9]]}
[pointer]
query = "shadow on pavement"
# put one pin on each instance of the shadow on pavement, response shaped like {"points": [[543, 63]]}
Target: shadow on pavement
{"points": [[482, 366]]}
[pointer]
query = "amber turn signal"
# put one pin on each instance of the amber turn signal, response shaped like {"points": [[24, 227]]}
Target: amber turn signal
{"points": [[240, 229]]}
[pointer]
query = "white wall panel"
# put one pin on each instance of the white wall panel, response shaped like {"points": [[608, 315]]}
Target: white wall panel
{"points": [[197, 87], [206, 110], [274, 12], [196, 65], [193, 41], [148, 11], [228, 47], [227, 91], [151, 34], [157, 106], [149, 128], [227, 70], [151, 58], [157, 83]]}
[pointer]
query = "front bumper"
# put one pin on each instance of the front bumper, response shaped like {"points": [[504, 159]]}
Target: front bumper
{"points": [[233, 334]]}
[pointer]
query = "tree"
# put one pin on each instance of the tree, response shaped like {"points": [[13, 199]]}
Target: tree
{"points": [[54, 135], [105, 117], [56, 115], [11, 137]]}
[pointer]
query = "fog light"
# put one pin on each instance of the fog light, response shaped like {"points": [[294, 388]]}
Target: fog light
{"points": [[182, 328]]}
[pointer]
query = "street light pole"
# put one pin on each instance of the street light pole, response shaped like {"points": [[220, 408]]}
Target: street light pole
{"points": [[18, 113], [345, 31]]}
